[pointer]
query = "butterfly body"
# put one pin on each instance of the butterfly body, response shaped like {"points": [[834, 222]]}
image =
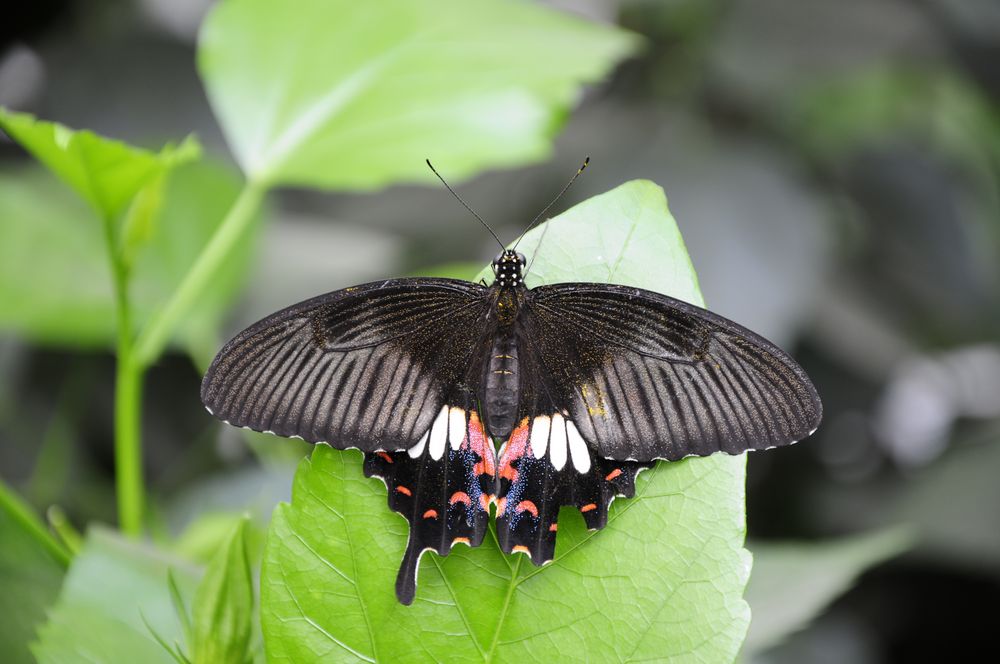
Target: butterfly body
{"points": [[584, 385]]}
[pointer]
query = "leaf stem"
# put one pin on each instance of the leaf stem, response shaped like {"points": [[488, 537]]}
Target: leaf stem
{"points": [[13, 505], [503, 610], [155, 335]]}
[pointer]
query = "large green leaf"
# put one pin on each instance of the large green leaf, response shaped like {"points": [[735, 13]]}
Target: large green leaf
{"points": [[794, 581], [340, 93], [106, 173], [664, 580], [115, 592], [30, 576], [55, 283]]}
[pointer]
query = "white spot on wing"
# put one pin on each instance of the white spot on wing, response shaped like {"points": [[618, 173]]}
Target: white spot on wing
{"points": [[540, 435], [557, 442], [418, 449], [456, 427], [439, 434], [577, 448]]}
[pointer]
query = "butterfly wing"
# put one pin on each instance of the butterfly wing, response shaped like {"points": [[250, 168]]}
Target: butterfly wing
{"points": [[442, 486], [613, 378], [366, 367], [386, 368], [643, 376]]}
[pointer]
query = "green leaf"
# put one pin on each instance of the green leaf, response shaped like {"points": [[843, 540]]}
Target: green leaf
{"points": [[31, 572], [346, 94], [113, 589], [106, 173], [223, 607], [663, 581], [55, 283], [793, 582]]}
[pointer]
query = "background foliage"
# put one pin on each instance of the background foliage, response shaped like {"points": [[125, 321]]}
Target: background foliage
{"points": [[834, 169]]}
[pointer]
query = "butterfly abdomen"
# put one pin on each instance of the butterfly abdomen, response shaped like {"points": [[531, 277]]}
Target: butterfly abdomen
{"points": [[502, 387]]}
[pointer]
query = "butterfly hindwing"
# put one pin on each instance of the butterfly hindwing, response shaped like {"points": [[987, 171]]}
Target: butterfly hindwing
{"points": [[365, 367], [644, 376], [442, 486], [544, 465]]}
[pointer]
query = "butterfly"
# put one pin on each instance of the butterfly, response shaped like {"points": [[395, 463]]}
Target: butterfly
{"points": [[583, 384]]}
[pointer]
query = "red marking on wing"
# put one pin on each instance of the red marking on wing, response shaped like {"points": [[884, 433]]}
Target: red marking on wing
{"points": [[527, 506], [613, 474], [476, 439], [485, 499], [430, 514], [515, 448], [403, 490], [501, 506], [589, 507], [460, 497], [522, 548], [388, 459], [554, 527]]}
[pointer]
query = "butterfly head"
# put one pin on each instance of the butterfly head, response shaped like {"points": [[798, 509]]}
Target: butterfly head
{"points": [[507, 267]]}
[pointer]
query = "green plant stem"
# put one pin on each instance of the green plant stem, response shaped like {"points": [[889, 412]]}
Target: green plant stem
{"points": [[135, 354], [154, 337], [128, 399], [128, 442], [12, 504]]}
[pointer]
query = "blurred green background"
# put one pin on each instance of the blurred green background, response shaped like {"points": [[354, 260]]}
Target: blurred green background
{"points": [[835, 170]]}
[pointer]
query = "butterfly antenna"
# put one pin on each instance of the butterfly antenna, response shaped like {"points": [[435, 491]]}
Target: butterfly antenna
{"points": [[464, 204], [558, 196], [534, 254]]}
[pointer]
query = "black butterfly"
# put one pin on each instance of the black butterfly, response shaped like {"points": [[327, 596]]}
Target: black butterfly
{"points": [[585, 384]]}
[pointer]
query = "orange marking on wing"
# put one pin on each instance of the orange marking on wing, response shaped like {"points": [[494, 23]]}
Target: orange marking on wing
{"points": [[403, 490], [613, 474], [388, 459], [589, 507], [501, 506], [554, 527], [522, 548], [463, 540], [476, 439], [460, 497], [527, 506], [430, 514], [516, 448], [485, 500]]}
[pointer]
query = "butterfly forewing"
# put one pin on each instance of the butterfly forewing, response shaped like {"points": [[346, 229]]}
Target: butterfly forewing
{"points": [[644, 376], [366, 367]]}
